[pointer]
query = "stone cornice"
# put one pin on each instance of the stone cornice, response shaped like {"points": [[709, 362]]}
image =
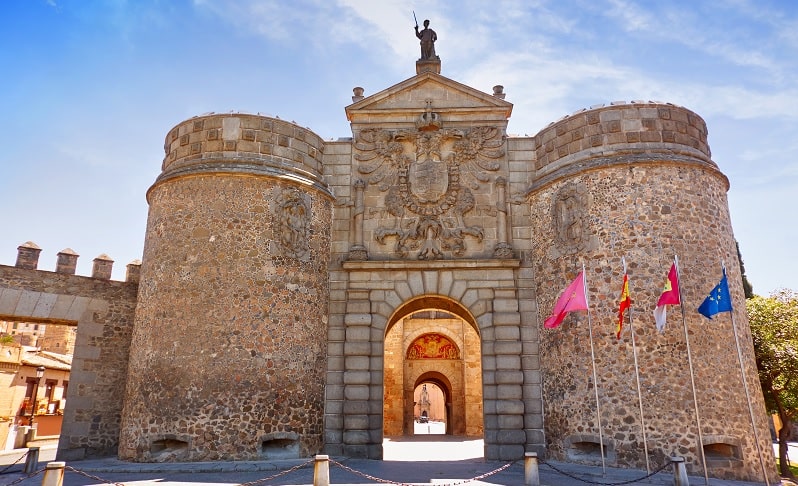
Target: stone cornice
{"points": [[464, 264]]}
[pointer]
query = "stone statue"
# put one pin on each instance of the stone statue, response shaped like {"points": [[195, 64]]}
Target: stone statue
{"points": [[428, 38]]}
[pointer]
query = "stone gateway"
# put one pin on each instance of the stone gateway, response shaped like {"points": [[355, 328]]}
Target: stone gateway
{"points": [[297, 295]]}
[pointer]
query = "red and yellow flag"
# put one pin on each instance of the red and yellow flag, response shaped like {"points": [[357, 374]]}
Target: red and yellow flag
{"points": [[626, 302]]}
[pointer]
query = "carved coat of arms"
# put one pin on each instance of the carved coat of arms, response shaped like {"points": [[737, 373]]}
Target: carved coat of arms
{"points": [[427, 177]]}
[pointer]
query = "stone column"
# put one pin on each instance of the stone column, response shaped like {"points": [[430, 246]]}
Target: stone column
{"points": [[358, 249], [357, 378], [503, 247], [508, 379]]}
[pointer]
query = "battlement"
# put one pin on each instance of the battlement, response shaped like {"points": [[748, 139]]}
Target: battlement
{"points": [[243, 143], [622, 127], [67, 262]]}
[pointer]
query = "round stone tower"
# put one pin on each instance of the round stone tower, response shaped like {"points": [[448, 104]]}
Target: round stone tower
{"points": [[228, 355], [636, 181]]}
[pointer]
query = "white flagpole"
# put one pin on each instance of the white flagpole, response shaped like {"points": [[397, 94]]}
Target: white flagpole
{"points": [[637, 375], [692, 378], [745, 386], [595, 380]]}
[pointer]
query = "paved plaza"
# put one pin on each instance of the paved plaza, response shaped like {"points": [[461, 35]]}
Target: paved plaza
{"points": [[428, 460]]}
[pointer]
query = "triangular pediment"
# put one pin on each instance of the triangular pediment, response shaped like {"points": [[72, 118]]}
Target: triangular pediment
{"points": [[443, 95]]}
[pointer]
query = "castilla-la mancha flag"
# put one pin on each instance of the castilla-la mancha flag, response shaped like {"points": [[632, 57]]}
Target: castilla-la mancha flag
{"points": [[670, 296], [572, 299]]}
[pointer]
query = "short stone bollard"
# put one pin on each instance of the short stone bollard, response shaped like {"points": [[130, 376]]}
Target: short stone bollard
{"points": [[531, 474], [31, 460], [321, 470], [54, 474], [679, 472]]}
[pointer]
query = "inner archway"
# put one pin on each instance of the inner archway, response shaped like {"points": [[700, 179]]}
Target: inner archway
{"points": [[435, 342]]}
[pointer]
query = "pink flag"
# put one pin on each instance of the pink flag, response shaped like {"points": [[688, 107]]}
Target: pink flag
{"points": [[572, 299]]}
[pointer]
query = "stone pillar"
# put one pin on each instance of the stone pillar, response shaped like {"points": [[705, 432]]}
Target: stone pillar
{"points": [[358, 249], [67, 261], [228, 354], [357, 377], [102, 268], [28, 256], [503, 247], [334, 392], [508, 379]]}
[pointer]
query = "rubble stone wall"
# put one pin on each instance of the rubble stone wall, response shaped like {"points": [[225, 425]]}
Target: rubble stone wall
{"points": [[229, 346], [647, 207]]}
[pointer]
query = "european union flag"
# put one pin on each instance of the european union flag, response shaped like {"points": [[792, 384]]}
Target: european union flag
{"points": [[718, 300]]}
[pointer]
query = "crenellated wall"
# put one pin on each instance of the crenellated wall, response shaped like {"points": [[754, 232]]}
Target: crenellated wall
{"points": [[103, 312], [619, 128]]}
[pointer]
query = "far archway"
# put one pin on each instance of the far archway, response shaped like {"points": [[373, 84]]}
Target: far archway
{"points": [[432, 405]]}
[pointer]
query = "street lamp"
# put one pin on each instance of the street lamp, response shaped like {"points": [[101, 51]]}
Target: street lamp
{"points": [[39, 374]]}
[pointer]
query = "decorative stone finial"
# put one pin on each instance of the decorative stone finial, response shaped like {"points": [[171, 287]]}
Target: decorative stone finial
{"points": [[498, 91], [429, 120], [358, 91]]}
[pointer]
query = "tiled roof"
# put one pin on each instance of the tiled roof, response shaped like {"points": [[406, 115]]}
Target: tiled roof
{"points": [[49, 360]]}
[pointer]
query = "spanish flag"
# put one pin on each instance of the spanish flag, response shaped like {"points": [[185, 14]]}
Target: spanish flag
{"points": [[626, 302]]}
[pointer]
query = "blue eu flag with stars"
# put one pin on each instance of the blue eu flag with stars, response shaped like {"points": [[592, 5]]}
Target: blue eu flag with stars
{"points": [[718, 300]]}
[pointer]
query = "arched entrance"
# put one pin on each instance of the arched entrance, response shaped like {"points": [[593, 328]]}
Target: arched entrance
{"points": [[432, 399], [435, 341]]}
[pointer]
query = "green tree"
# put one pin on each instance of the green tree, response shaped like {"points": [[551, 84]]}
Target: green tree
{"points": [[748, 289], [774, 328]]}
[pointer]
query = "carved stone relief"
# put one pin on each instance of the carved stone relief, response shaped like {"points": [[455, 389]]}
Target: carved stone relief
{"points": [[570, 211], [293, 224], [427, 176]]}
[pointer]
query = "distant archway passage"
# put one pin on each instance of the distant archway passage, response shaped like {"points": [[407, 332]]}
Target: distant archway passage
{"points": [[434, 340], [432, 405]]}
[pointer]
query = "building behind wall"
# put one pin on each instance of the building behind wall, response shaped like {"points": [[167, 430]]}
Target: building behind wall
{"points": [[283, 277]]}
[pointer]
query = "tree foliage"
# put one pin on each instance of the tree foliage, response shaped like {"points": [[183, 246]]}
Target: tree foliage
{"points": [[774, 328], [748, 289]]}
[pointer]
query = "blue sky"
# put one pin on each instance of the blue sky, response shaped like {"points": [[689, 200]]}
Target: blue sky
{"points": [[89, 89]]}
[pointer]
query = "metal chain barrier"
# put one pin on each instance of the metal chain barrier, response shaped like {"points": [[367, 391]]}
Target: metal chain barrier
{"points": [[23, 478], [387, 481], [96, 478], [2, 471], [281, 473], [631, 481]]}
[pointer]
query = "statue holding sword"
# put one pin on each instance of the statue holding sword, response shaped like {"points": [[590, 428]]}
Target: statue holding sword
{"points": [[428, 38]]}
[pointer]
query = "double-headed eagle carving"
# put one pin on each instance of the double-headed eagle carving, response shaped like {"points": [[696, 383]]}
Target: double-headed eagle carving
{"points": [[428, 177]]}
